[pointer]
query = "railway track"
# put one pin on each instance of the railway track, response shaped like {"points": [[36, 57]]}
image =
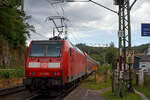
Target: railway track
{"points": [[11, 90], [62, 95], [35, 96]]}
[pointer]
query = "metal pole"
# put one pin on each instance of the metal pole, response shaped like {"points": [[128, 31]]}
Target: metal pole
{"points": [[124, 37], [120, 43], [129, 46], [129, 25]]}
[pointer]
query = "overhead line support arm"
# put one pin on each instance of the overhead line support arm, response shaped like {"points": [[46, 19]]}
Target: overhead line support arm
{"points": [[94, 3], [132, 4], [103, 6]]}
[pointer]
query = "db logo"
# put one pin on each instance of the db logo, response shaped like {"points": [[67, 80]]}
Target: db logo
{"points": [[44, 65]]}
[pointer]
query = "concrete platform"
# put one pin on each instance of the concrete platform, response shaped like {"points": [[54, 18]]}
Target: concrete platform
{"points": [[81, 93]]}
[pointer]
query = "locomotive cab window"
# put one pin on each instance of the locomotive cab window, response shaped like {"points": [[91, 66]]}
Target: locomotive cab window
{"points": [[48, 49]]}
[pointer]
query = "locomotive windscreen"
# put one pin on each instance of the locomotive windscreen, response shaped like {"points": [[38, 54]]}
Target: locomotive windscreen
{"points": [[46, 49]]}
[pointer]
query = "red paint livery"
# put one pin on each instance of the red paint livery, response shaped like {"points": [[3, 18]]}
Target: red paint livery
{"points": [[55, 63]]}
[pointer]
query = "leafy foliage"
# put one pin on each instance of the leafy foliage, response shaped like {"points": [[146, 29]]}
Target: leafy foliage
{"points": [[12, 25], [10, 3], [109, 55], [105, 55], [14, 31], [141, 48], [97, 53], [112, 55]]}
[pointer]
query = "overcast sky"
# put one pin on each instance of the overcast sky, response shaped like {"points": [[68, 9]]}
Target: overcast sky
{"points": [[88, 23]]}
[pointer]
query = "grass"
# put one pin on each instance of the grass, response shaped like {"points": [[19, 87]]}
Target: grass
{"points": [[110, 96], [95, 85], [12, 73], [144, 89], [99, 84]]}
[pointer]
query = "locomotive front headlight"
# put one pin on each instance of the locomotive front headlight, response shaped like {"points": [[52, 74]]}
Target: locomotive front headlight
{"points": [[53, 65], [34, 65], [30, 73], [57, 73]]}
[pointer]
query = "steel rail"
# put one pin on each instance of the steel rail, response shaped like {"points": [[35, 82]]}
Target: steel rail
{"points": [[11, 90], [62, 95]]}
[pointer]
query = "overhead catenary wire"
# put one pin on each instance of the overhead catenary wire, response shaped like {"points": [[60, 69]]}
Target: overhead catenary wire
{"points": [[52, 5], [40, 35], [61, 17], [63, 14], [43, 25], [74, 36]]}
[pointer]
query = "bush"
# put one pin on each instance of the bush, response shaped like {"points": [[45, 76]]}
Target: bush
{"points": [[104, 68], [11, 73]]}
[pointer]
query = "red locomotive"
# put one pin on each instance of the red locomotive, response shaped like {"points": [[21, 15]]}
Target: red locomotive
{"points": [[55, 62]]}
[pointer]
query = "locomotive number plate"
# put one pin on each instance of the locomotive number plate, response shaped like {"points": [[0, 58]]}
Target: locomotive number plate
{"points": [[44, 73]]}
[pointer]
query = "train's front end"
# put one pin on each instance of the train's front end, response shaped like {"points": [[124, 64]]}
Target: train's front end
{"points": [[44, 64]]}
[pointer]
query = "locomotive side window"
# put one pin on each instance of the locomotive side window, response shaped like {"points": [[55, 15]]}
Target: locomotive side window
{"points": [[70, 52], [49, 49]]}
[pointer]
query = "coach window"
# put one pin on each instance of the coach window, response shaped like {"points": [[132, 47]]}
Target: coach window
{"points": [[70, 52]]}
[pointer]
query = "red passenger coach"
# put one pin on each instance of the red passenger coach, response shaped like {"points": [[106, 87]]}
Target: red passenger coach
{"points": [[54, 63]]}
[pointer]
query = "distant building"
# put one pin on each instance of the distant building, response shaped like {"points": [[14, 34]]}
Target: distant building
{"points": [[142, 62]]}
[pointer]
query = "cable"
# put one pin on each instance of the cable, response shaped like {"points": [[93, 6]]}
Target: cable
{"points": [[74, 37], [63, 14], [63, 11], [41, 35], [53, 7]]}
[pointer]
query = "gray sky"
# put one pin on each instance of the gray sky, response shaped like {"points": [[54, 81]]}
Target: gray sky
{"points": [[88, 23]]}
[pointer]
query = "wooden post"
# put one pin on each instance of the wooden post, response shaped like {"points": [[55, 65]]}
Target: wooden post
{"points": [[95, 69]]}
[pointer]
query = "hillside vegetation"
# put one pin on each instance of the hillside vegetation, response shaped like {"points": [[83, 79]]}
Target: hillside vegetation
{"points": [[103, 55], [109, 54], [14, 31], [141, 48]]}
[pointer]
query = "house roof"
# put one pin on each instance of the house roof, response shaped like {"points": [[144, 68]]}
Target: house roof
{"points": [[144, 58]]}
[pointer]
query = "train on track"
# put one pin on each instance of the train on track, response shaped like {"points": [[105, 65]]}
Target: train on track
{"points": [[55, 63]]}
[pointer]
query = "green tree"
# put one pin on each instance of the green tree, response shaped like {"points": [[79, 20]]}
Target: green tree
{"points": [[13, 26], [14, 31], [112, 55]]}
